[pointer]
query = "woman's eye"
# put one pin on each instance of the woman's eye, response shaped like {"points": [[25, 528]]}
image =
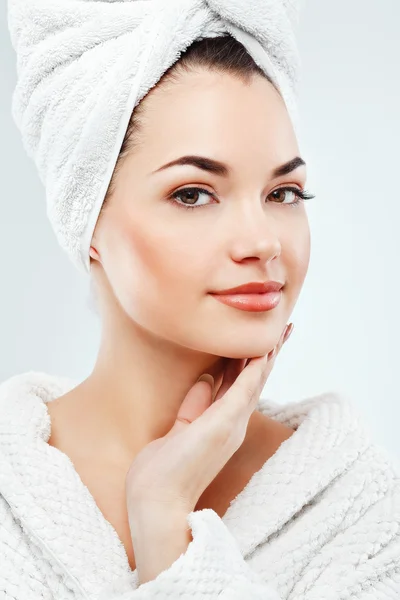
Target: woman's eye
{"points": [[292, 194], [191, 196]]}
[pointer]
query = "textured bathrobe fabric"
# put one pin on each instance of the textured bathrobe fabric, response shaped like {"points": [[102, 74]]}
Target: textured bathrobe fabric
{"points": [[319, 521], [83, 66]]}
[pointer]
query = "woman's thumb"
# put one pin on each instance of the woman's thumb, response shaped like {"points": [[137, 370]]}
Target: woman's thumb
{"points": [[196, 401]]}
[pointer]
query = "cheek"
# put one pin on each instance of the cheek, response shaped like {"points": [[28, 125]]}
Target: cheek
{"points": [[161, 263], [296, 256]]}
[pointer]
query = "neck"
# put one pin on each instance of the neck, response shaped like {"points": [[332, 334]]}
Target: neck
{"points": [[134, 392]]}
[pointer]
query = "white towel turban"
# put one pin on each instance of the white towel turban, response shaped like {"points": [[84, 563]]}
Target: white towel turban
{"points": [[83, 65]]}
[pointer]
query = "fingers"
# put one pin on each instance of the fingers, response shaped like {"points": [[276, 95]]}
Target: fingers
{"points": [[284, 338], [236, 366], [238, 394], [195, 403], [232, 371], [287, 333], [240, 399]]}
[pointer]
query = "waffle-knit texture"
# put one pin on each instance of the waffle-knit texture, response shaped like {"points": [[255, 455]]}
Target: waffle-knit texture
{"points": [[319, 521]]}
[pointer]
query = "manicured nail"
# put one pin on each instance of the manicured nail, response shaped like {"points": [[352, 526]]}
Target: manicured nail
{"points": [[288, 332], [206, 377]]}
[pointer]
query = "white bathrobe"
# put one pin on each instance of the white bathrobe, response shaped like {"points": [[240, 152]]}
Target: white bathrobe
{"points": [[320, 520]]}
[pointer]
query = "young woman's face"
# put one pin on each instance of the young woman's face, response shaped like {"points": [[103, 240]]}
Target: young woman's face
{"points": [[162, 260]]}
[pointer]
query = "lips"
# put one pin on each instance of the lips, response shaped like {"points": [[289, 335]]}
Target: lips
{"points": [[253, 288], [251, 302]]}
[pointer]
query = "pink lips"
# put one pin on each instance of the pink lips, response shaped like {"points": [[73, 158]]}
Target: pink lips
{"points": [[251, 302], [255, 297]]}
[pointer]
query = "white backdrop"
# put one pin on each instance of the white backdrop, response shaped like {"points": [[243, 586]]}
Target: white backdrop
{"points": [[346, 320]]}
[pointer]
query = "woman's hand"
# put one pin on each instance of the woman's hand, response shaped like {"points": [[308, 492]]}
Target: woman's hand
{"points": [[167, 478]]}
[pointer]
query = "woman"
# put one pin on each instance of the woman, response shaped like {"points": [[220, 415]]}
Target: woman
{"points": [[143, 482]]}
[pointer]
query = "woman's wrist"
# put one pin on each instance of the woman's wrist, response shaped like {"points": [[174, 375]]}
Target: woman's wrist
{"points": [[159, 537]]}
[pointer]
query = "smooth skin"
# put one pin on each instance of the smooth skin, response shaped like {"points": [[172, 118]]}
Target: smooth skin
{"points": [[154, 263], [168, 477]]}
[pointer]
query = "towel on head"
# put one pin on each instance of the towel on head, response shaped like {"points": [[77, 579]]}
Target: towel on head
{"points": [[83, 66]]}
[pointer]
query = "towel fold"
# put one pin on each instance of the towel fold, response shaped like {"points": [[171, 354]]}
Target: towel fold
{"points": [[83, 66]]}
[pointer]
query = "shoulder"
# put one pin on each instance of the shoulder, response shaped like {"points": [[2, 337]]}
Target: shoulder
{"points": [[39, 383], [354, 519], [361, 511]]}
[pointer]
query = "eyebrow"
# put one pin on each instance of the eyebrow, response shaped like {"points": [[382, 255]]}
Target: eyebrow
{"points": [[219, 168]]}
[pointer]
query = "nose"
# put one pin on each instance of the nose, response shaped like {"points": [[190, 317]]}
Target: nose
{"points": [[257, 237]]}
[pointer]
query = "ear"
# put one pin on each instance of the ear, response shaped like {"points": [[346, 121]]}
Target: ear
{"points": [[93, 253]]}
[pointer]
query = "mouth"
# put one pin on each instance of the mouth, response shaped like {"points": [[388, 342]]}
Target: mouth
{"points": [[251, 302]]}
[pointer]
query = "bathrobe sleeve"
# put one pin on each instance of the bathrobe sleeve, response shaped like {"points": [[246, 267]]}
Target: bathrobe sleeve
{"points": [[211, 566]]}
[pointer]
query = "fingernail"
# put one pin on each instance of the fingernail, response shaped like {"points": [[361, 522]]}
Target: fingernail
{"points": [[272, 353], [288, 332], [206, 377]]}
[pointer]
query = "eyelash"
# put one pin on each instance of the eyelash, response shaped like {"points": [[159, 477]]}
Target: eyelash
{"points": [[301, 196]]}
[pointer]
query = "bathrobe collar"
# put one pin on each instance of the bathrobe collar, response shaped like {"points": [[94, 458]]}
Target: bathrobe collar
{"points": [[60, 515]]}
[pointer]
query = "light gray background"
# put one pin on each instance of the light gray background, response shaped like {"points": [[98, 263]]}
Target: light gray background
{"points": [[346, 320]]}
